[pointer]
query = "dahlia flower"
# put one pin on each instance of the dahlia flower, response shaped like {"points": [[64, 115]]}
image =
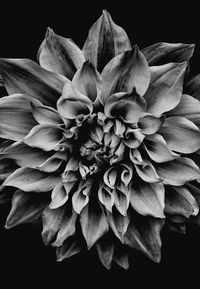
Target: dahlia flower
{"points": [[101, 144]]}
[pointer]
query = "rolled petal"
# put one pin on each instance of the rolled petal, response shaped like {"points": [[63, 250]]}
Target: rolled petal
{"points": [[179, 201], [127, 174], [147, 172], [133, 138], [60, 195], [44, 136], [88, 81], [81, 197], [26, 156], [178, 172], [105, 250], [52, 221], [105, 40], [16, 119], [121, 195], [72, 103], [31, 180], [118, 223], [150, 124], [135, 157], [106, 197], [44, 114], [165, 88], [59, 54], [26, 76], [110, 177], [124, 73], [162, 52], [145, 237], [68, 249], [129, 107], [181, 134], [188, 107], [26, 208], [67, 227], [157, 149], [93, 223], [148, 199]]}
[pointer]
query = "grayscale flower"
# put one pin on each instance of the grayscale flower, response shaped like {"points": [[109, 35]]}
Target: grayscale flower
{"points": [[101, 143]]}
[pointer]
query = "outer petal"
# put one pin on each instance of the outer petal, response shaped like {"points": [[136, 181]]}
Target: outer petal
{"points": [[31, 180], [72, 103], [81, 197], [150, 124], [105, 250], [26, 208], [26, 76], [105, 40], [160, 53], [106, 197], [145, 237], [70, 247], [165, 89], [181, 134], [118, 224], [148, 199], [124, 73], [60, 195], [93, 223], [178, 172], [59, 54], [192, 87], [16, 119], [44, 136], [88, 81]]}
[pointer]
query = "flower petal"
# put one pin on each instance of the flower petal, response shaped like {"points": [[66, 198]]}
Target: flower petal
{"points": [[26, 76], [179, 201], [52, 163], [133, 138], [31, 180], [118, 224], [124, 73], [178, 172], [44, 136], [93, 223], [106, 197], [150, 124], [60, 195], [121, 195], [129, 107], [157, 149], [105, 250], [88, 81], [81, 197], [145, 237], [162, 52], [16, 119], [147, 172], [110, 177], [148, 199], [72, 103], [105, 40], [192, 86], [126, 174], [121, 259], [68, 249], [188, 107], [181, 134], [26, 208], [59, 54], [165, 88]]}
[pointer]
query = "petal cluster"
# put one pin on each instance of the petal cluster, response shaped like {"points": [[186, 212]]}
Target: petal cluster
{"points": [[102, 143]]}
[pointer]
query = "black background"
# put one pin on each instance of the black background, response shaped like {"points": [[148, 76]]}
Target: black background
{"points": [[23, 257]]}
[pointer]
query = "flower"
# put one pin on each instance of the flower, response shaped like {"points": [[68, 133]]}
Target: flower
{"points": [[101, 143]]}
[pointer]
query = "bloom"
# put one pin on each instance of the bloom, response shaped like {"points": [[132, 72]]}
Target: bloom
{"points": [[100, 142]]}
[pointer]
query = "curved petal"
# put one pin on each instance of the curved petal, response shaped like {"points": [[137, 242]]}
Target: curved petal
{"points": [[147, 172], [126, 174], [157, 149], [72, 103], [26, 208], [69, 248], [188, 107], [165, 88], [44, 136], [192, 86], [135, 157], [118, 224], [148, 199], [106, 197], [110, 177], [60, 195], [124, 73], [181, 134], [162, 52], [81, 197], [88, 81], [129, 107], [59, 54], [133, 138], [178, 172], [16, 119], [105, 250], [150, 124], [26, 76], [105, 40], [93, 223], [179, 201], [121, 195], [31, 180]]}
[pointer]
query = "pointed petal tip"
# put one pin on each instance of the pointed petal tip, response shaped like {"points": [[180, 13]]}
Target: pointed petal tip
{"points": [[49, 32]]}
